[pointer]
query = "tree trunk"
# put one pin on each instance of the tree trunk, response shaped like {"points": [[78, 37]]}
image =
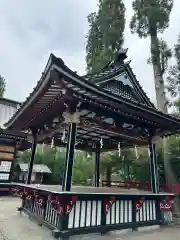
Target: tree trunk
{"points": [[158, 78], [162, 106]]}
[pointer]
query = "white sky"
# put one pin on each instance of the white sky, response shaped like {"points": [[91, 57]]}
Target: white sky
{"points": [[31, 30]]}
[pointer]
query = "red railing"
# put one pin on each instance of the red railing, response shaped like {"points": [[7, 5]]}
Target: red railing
{"points": [[146, 186]]}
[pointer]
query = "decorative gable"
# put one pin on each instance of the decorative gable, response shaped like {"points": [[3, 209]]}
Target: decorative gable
{"points": [[121, 86], [124, 79], [118, 78]]}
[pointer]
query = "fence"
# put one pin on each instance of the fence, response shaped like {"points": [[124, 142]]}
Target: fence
{"points": [[69, 213]]}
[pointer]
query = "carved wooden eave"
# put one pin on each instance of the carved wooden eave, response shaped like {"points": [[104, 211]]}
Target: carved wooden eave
{"points": [[61, 96]]}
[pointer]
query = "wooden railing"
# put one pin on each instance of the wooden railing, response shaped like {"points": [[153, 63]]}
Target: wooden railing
{"points": [[146, 186], [67, 213]]}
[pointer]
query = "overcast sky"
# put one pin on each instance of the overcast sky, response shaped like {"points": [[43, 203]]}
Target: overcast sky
{"points": [[31, 30]]}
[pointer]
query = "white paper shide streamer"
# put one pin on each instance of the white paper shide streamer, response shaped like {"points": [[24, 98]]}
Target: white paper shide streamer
{"points": [[63, 136], [119, 149], [52, 142], [136, 152], [101, 143]]}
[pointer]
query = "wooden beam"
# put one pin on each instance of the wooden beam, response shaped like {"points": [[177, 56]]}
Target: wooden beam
{"points": [[94, 125]]}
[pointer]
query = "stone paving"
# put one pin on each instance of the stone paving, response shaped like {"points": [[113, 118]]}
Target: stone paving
{"points": [[16, 226]]}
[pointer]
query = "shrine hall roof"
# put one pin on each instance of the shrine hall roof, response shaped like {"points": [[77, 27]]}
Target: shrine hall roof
{"points": [[19, 138], [114, 92], [114, 71]]}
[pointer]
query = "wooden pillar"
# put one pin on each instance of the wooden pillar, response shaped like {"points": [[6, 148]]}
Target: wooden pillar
{"points": [[128, 171], [97, 165], [153, 167], [66, 158], [33, 151], [156, 167], [70, 157]]}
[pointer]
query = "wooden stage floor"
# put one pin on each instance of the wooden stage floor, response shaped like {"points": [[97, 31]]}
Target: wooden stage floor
{"points": [[89, 189]]}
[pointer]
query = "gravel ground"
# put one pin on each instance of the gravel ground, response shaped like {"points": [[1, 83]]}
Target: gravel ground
{"points": [[15, 226]]}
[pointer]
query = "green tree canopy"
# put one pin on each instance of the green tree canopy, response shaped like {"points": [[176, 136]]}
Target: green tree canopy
{"points": [[54, 158], [173, 79], [2, 86], [150, 18], [106, 34], [165, 56]]}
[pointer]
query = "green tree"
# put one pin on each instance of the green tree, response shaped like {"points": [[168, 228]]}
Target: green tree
{"points": [[174, 154], [94, 44], [54, 158], [173, 79], [2, 86], [106, 34], [165, 56], [150, 18], [83, 169], [109, 162]]}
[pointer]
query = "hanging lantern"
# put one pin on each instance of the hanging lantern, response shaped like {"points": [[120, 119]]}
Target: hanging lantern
{"points": [[63, 136], [52, 142], [119, 149], [101, 143], [136, 152]]}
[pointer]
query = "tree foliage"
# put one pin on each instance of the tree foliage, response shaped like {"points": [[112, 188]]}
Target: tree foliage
{"points": [[106, 34], [173, 78], [174, 154], [150, 18], [150, 15], [129, 166], [165, 56], [52, 157], [83, 170], [2, 86]]}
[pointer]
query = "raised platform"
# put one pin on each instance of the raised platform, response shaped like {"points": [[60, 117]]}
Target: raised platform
{"points": [[91, 210], [87, 189], [6, 189]]}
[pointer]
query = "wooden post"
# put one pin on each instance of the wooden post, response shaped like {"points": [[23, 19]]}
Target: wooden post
{"points": [[97, 165], [70, 157], [153, 167], [33, 151], [65, 164]]}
